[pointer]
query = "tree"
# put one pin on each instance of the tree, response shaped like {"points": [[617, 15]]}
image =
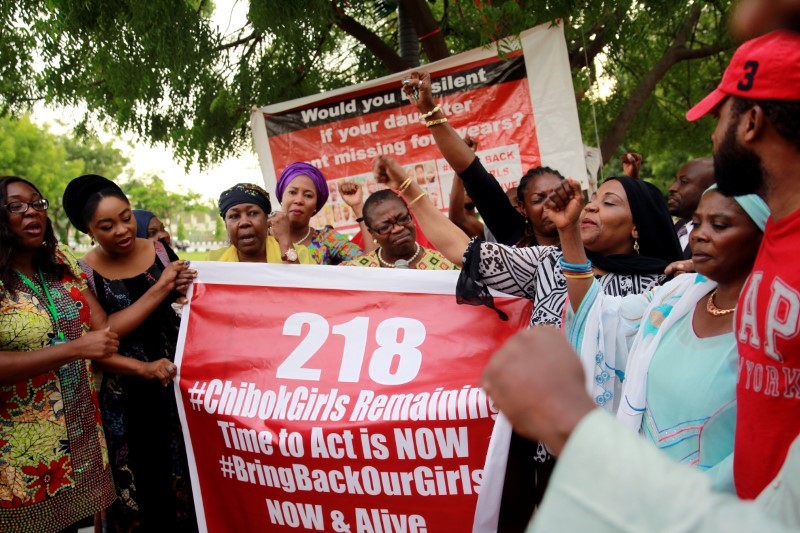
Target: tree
{"points": [[219, 228], [159, 69], [149, 193], [50, 161], [181, 233]]}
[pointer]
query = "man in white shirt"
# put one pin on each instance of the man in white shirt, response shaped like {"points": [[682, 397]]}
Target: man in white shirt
{"points": [[608, 479]]}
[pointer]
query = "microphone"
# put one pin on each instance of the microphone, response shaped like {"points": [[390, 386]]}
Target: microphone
{"points": [[401, 263]]}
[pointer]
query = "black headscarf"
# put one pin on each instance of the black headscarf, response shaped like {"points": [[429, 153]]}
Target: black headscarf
{"points": [[78, 193], [658, 242], [244, 193]]}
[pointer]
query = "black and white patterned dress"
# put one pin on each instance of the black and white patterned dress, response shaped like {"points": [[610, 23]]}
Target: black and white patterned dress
{"points": [[534, 273]]}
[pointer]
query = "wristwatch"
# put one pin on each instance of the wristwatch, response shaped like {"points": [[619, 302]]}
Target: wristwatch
{"points": [[289, 255]]}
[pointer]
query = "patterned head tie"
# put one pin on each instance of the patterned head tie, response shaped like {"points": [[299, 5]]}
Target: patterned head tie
{"points": [[244, 193]]}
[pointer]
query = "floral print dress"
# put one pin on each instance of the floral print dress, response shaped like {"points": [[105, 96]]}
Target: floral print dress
{"points": [[54, 467]]}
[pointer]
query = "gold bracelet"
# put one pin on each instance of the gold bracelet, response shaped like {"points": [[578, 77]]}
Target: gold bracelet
{"points": [[586, 275], [415, 199], [431, 112], [435, 122], [405, 184]]}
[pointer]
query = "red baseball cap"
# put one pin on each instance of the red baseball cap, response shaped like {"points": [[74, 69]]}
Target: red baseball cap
{"points": [[765, 68]]}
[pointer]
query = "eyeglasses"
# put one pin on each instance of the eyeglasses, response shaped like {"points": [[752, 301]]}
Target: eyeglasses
{"points": [[386, 227], [21, 207]]}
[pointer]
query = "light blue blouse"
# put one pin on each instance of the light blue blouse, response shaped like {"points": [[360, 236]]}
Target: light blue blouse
{"points": [[691, 400]]}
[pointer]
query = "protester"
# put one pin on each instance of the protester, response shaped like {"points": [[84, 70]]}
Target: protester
{"points": [[629, 235], [302, 190], [147, 453], [631, 164], [675, 343], [390, 224], [53, 459], [148, 226], [461, 210], [244, 208], [608, 479], [757, 149], [691, 180], [505, 223]]}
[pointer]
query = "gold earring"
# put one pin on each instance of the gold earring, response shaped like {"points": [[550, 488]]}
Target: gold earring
{"points": [[636, 246]]}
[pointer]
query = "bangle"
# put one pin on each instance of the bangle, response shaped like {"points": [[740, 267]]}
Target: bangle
{"points": [[404, 185], [436, 122], [575, 268], [415, 199], [431, 112], [360, 220], [586, 275]]}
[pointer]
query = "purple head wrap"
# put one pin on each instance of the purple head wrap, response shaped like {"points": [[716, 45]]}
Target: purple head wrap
{"points": [[303, 169]]}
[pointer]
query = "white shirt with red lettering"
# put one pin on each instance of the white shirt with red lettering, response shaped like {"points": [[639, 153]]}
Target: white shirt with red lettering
{"points": [[768, 337]]}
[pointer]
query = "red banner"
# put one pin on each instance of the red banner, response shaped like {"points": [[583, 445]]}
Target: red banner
{"points": [[336, 399], [520, 108]]}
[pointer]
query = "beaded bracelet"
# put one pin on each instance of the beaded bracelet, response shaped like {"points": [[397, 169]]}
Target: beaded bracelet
{"points": [[415, 199], [435, 122], [575, 268], [431, 112], [405, 184], [586, 275]]}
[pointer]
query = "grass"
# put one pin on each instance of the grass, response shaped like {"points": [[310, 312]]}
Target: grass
{"points": [[192, 256]]}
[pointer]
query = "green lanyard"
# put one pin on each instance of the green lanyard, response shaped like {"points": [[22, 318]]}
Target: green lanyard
{"points": [[50, 305]]}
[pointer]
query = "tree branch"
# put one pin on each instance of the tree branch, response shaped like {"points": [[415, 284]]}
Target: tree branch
{"points": [[237, 42], [676, 53], [699, 53], [304, 70], [577, 57], [388, 56]]}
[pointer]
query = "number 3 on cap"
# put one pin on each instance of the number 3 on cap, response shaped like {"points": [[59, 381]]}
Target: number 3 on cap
{"points": [[751, 67]]}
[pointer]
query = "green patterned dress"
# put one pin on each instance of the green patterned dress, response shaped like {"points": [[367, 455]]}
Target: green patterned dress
{"points": [[54, 468]]}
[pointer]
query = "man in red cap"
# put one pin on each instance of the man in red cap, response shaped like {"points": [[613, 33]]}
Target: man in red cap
{"points": [[757, 150], [607, 479]]}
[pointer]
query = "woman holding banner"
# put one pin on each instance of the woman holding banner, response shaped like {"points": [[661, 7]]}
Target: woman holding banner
{"points": [[389, 221], [302, 191], [248, 217], [629, 237], [136, 277]]}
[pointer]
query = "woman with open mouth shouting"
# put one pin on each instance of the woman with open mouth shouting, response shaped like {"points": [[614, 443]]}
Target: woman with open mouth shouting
{"points": [[249, 219]]}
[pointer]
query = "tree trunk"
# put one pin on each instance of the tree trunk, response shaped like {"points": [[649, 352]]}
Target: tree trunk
{"points": [[427, 28], [388, 56], [407, 38], [676, 53]]}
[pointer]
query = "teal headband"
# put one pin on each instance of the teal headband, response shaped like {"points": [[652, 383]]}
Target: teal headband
{"points": [[753, 205]]}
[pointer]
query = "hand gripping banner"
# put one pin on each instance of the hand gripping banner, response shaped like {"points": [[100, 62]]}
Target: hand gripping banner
{"points": [[336, 399]]}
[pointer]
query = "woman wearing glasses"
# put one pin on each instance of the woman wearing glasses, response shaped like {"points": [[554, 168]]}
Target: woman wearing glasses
{"points": [[389, 222], [53, 458]]}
